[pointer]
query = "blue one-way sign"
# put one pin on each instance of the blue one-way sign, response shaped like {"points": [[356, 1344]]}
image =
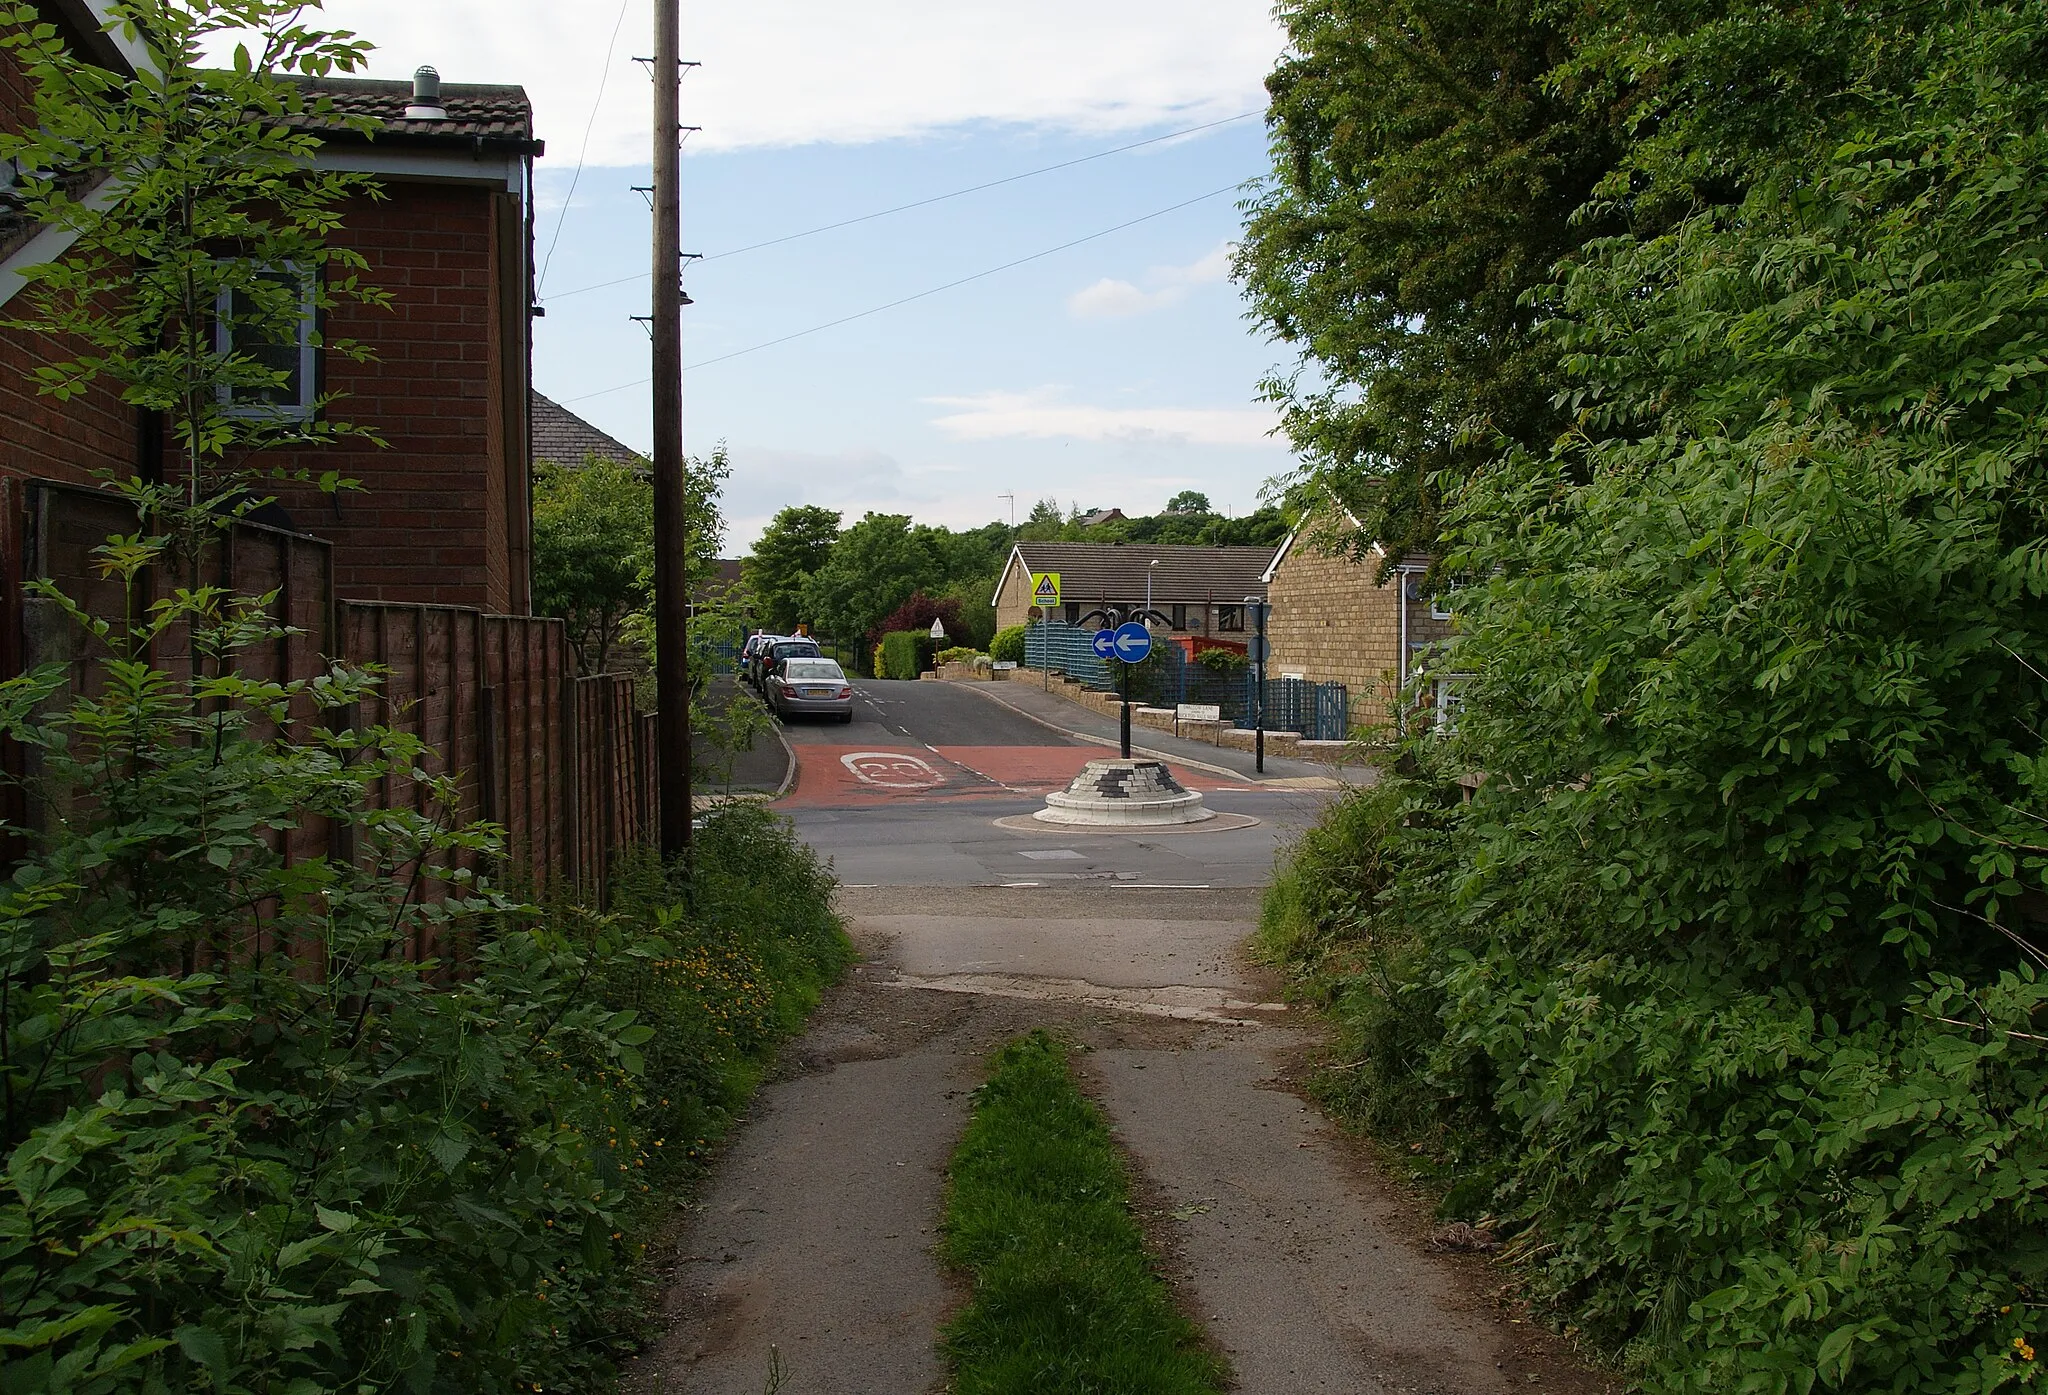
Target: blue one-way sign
{"points": [[1133, 642], [1105, 644]]}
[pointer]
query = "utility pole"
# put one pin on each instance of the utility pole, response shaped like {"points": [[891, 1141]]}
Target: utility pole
{"points": [[671, 527]]}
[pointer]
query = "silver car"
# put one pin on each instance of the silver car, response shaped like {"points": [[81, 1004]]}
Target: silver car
{"points": [[809, 684]]}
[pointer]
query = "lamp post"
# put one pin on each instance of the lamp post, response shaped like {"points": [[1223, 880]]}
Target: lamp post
{"points": [[1148, 582]]}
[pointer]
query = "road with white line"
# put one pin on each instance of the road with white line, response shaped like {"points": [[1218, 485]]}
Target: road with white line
{"points": [[909, 793]]}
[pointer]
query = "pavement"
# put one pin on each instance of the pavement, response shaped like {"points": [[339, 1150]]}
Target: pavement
{"points": [[810, 1257], [761, 767], [1051, 709]]}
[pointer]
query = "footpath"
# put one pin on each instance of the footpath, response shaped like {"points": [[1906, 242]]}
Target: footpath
{"points": [[808, 1262], [1050, 709]]}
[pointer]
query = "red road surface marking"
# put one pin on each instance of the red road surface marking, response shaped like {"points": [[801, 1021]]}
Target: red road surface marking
{"points": [[880, 774]]}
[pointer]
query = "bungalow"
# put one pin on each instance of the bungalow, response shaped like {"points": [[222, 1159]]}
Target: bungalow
{"points": [[1201, 590]]}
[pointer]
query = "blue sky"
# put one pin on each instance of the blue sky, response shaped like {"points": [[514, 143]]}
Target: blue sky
{"points": [[1116, 372]]}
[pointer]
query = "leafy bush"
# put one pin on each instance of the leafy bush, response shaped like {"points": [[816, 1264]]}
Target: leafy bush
{"points": [[736, 975], [958, 654], [260, 1133], [1224, 660], [1008, 645], [904, 654], [1725, 992]]}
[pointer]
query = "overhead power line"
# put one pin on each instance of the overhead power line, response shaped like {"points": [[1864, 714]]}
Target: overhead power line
{"points": [[923, 203], [603, 77], [921, 295]]}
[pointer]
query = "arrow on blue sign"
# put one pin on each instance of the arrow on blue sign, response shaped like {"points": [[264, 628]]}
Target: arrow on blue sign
{"points": [[1105, 644], [1133, 642]]}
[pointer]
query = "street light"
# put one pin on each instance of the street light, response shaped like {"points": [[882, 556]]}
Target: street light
{"points": [[1148, 582]]}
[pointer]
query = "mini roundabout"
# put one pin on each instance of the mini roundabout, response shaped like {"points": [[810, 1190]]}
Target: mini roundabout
{"points": [[1126, 796]]}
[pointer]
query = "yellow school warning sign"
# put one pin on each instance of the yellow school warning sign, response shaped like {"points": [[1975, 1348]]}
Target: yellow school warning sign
{"points": [[1045, 588]]}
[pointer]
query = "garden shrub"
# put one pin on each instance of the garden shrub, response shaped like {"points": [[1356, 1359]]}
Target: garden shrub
{"points": [[1726, 987], [958, 654], [1008, 645], [1224, 660], [904, 654], [334, 1123]]}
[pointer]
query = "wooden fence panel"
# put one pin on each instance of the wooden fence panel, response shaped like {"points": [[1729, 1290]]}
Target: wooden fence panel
{"points": [[563, 763]]}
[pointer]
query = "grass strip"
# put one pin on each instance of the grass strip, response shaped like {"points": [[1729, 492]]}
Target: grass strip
{"points": [[1066, 1300]]}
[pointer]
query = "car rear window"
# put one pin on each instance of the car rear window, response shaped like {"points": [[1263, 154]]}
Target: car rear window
{"points": [[815, 669]]}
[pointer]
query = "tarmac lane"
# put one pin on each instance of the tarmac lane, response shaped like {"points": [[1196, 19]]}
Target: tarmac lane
{"points": [[932, 741]]}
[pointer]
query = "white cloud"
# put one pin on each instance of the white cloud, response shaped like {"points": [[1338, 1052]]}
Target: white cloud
{"points": [[793, 72], [1110, 299], [1040, 415]]}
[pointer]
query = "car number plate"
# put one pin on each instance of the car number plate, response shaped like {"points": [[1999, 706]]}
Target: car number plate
{"points": [[817, 692]]}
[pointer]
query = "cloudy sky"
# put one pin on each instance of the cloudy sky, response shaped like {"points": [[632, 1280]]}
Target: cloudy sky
{"points": [[1110, 365]]}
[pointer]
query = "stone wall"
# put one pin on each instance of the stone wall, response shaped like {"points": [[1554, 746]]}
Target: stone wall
{"points": [[1332, 623]]}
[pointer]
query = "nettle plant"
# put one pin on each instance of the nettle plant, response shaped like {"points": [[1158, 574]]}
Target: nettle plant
{"points": [[275, 1117]]}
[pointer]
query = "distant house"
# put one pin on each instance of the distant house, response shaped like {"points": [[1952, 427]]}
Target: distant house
{"points": [[560, 437], [1201, 590], [1096, 517], [1332, 622]]}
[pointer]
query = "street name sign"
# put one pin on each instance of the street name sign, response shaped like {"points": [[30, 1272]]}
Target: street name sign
{"points": [[1104, 644], [1198, 712], [1133, 642]]}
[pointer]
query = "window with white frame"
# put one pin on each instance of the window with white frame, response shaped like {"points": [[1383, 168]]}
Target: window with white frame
{"points": [[1449, 703], [284, 346], [1440, 606]]}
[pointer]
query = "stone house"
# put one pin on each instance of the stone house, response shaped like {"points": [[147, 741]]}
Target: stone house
{"points": [[1333, 622], [1201, 590], [443, 515]]}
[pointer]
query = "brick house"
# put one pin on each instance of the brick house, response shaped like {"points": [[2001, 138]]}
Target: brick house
{"points": [[1332, 622], [443, 514], [1200, 589]]}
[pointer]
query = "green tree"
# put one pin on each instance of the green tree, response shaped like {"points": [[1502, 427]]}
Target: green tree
{"points": [[1044, 523], [1728, 980], [1189, 501], [194, 198], [593, 551], [1426, 175], [792, 548], [873, 568]]}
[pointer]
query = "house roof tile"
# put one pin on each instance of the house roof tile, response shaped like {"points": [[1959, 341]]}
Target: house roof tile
{"points": [[1114, 573], [564, 438], [493, 112]]}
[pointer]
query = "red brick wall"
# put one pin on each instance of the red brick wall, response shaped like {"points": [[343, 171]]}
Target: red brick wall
{"points": [[427, 524], [38, 435]]}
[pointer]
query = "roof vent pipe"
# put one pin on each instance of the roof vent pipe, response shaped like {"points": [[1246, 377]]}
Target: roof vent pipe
{"points": [[426, 97]]}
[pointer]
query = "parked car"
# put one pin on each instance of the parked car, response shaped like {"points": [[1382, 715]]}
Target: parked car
{"points": [[750, 652], [809, 683], [788, 647]]}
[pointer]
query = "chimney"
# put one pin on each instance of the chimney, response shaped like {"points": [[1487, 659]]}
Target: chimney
{"points": [[426, 97]]}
